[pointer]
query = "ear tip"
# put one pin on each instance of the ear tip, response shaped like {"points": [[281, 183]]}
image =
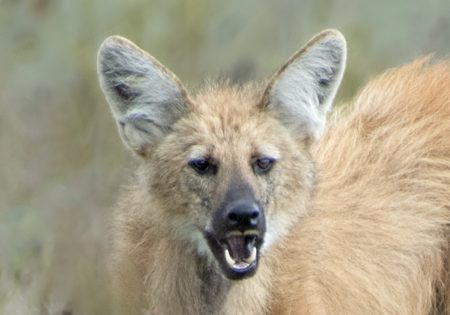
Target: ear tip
{"points": [[333, 34], [333, 38], [114, 42], [112, 45]]}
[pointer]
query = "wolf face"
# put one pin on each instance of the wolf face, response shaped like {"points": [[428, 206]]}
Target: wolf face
{"points": [[229, 168]]}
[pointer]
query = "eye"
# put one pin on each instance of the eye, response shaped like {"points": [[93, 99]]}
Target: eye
{"points": [[263, 165], [202, 166]]}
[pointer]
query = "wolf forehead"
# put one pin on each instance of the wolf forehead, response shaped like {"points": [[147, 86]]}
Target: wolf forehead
{"points": [[229, 115], [148, 101]]}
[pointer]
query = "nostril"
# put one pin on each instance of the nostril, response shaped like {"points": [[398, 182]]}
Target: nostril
{"points": [[243, 214], [254, 214], [233, 216]]}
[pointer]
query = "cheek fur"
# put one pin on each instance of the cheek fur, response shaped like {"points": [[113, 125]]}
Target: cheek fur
{"points": [[287, 197], [197, 193]]}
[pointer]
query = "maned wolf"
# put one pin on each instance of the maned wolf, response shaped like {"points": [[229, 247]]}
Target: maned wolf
{"points": [[244, 203]]}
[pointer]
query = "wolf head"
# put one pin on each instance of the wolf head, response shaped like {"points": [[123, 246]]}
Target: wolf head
{"points": [[229, 167]]}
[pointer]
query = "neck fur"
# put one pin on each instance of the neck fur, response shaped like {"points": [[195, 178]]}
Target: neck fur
{"points": [[186, 283]]}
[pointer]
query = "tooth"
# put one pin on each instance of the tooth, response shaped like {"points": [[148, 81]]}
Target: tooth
{"points": [[251, 233], [252, 257], [230, 261], [234, 233]]}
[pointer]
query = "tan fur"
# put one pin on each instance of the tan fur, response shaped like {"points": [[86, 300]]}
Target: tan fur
{"points": [[154, 251], [363, 231], [377, 239]]}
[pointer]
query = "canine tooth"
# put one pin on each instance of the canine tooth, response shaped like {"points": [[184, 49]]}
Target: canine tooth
{"points": [[234, 233], [230, 261], [252, 257], [251, 233]]}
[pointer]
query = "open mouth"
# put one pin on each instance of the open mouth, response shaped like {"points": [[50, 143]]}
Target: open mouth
{"points": [[237, 253], [240, 249]]}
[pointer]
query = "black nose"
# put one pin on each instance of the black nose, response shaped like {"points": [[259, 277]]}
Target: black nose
{"points": [[243, 213]]}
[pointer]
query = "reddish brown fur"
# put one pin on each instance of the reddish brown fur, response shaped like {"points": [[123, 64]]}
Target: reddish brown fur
{"points": [[377, 239], [148, 248]]}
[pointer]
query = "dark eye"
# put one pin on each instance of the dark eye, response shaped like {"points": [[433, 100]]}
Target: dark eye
{"points": [[263, 165], [202, 166]]}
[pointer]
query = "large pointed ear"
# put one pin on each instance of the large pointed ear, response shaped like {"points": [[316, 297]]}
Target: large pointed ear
{"points": [[146, 99], [302, 91]]}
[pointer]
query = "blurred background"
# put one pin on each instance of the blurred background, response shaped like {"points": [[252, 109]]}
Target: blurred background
{"points": [[61, 160]]}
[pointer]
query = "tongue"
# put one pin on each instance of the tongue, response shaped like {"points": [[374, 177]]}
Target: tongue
{"points": [[238, 247]]}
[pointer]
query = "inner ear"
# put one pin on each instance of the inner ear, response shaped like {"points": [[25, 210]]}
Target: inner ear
{"points": [[302, 91], [145, 97]]}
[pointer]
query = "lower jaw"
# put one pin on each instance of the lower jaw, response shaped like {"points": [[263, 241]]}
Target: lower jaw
{"points": [[234, 274], [218, 252], [238, 271]]}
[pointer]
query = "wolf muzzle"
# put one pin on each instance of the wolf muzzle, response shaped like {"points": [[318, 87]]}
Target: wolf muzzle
{"points": [[238, 229]]}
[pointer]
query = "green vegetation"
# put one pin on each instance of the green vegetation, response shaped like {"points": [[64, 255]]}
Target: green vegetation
{"points": [[61, 158]]}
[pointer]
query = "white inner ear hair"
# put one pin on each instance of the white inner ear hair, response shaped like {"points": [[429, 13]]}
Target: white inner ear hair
{"points": [[305, 90]]}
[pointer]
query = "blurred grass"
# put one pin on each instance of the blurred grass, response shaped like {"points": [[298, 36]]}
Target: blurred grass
{"points": [[61, 159]]}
